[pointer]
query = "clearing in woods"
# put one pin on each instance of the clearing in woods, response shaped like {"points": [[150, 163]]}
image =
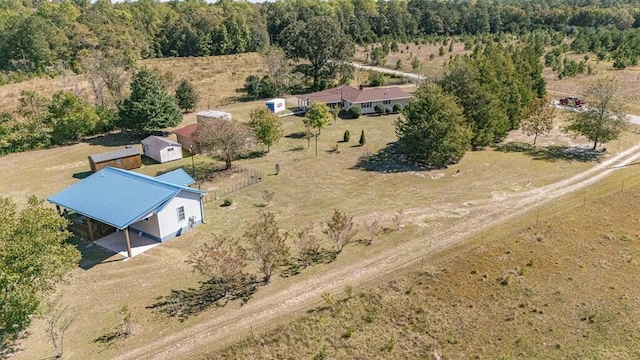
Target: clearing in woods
{"points": [[442, 208]]}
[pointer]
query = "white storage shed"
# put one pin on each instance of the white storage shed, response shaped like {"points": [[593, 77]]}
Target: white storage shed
{"points": [[212, 114], [161, 149], [275, 105]]}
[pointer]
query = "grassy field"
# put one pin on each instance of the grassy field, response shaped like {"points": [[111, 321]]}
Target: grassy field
{"points": [[216, 78], [561, 287], [307, 189]]}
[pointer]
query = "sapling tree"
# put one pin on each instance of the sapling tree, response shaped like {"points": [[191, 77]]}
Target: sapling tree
{"points": [[267, 245], [341, 229]]}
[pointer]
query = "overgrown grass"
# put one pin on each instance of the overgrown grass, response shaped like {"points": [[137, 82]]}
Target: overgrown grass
{"points": [[306, 189], [555, 289]]}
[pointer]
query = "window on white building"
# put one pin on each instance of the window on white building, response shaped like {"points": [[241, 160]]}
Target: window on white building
{"points": [[366, 105], [181, 213], [386, 102]]}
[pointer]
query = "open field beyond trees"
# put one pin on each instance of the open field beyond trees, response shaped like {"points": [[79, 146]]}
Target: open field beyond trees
{"points": [[441, 208]]}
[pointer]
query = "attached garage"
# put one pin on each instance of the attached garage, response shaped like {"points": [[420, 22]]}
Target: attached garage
{"points": [[161, 149]]}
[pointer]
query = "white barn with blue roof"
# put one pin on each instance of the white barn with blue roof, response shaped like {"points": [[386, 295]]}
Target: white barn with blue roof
{"points": [[158, 208]]}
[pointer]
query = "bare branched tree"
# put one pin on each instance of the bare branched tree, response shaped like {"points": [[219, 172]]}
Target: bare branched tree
{"points": [[341, 229], [397, 218], [373, 229], [57, 325], [308, 243]]}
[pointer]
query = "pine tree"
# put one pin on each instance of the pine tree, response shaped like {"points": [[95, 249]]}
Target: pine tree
{"points": [[362, 139], [149, 107], [186, 96], [433, 131]]}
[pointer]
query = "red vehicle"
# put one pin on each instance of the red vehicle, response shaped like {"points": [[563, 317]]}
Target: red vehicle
{"points": [[572, 101]]}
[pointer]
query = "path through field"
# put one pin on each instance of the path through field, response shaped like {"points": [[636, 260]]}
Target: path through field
{"points": [[231, 323]]}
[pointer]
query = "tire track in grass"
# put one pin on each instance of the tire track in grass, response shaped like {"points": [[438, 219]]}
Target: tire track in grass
{"points": [[230, 323]]}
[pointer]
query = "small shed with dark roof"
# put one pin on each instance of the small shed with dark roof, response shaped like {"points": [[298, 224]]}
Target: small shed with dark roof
{"points": [[185, 138], [161, 149], [127, 158]]}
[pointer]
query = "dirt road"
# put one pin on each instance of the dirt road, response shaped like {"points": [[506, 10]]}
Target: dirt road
{"points": [[491, 212]]}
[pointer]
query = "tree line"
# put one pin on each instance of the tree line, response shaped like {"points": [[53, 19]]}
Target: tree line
{"points": [[38, 37], [65, 118]]}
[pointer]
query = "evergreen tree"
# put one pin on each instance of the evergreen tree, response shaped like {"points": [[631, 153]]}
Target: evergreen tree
{"points": [[186, 96], [362, 140], [433, 130], [149, 107]]}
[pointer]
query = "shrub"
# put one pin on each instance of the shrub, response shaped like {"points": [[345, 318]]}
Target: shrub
{"points": [[441, 51], [397, 107], [362, 139], [432, 56], [415, 63], [379, 108], [388, 110], [227, 202], [347, 136], [376, 78], [355, 112], [398, 64]]}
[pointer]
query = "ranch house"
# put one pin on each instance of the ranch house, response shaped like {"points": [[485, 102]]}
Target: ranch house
{"points": [[346, 97], [124, 207]]}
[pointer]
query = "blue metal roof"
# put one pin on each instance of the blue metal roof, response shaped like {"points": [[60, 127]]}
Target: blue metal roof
{"points": [[177, 176], [118, 197]]}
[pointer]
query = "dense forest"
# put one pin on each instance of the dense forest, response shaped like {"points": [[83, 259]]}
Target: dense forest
{"points": [[48, 37], [507, 41]]}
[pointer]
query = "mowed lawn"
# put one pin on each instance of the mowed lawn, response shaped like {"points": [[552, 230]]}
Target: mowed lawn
{"points": [[306, 189]]}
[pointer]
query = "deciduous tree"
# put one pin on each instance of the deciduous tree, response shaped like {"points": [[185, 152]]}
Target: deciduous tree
{"points": [[308, 243], [229, 138], [71, 118], [34, 258], [220, 259], [322, 43], [266, 244], [605, 118], [341, 229], [539, 118], [149, 107], [318, 116], [433, 131], [267, 126]]}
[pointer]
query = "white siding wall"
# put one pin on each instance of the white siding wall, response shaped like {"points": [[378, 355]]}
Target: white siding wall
{"points": [[150, 227], [168, 217], [170, 155], [152, 152]]}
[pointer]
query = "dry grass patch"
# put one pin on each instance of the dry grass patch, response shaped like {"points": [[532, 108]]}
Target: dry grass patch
{"points": [[561, 288]]}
